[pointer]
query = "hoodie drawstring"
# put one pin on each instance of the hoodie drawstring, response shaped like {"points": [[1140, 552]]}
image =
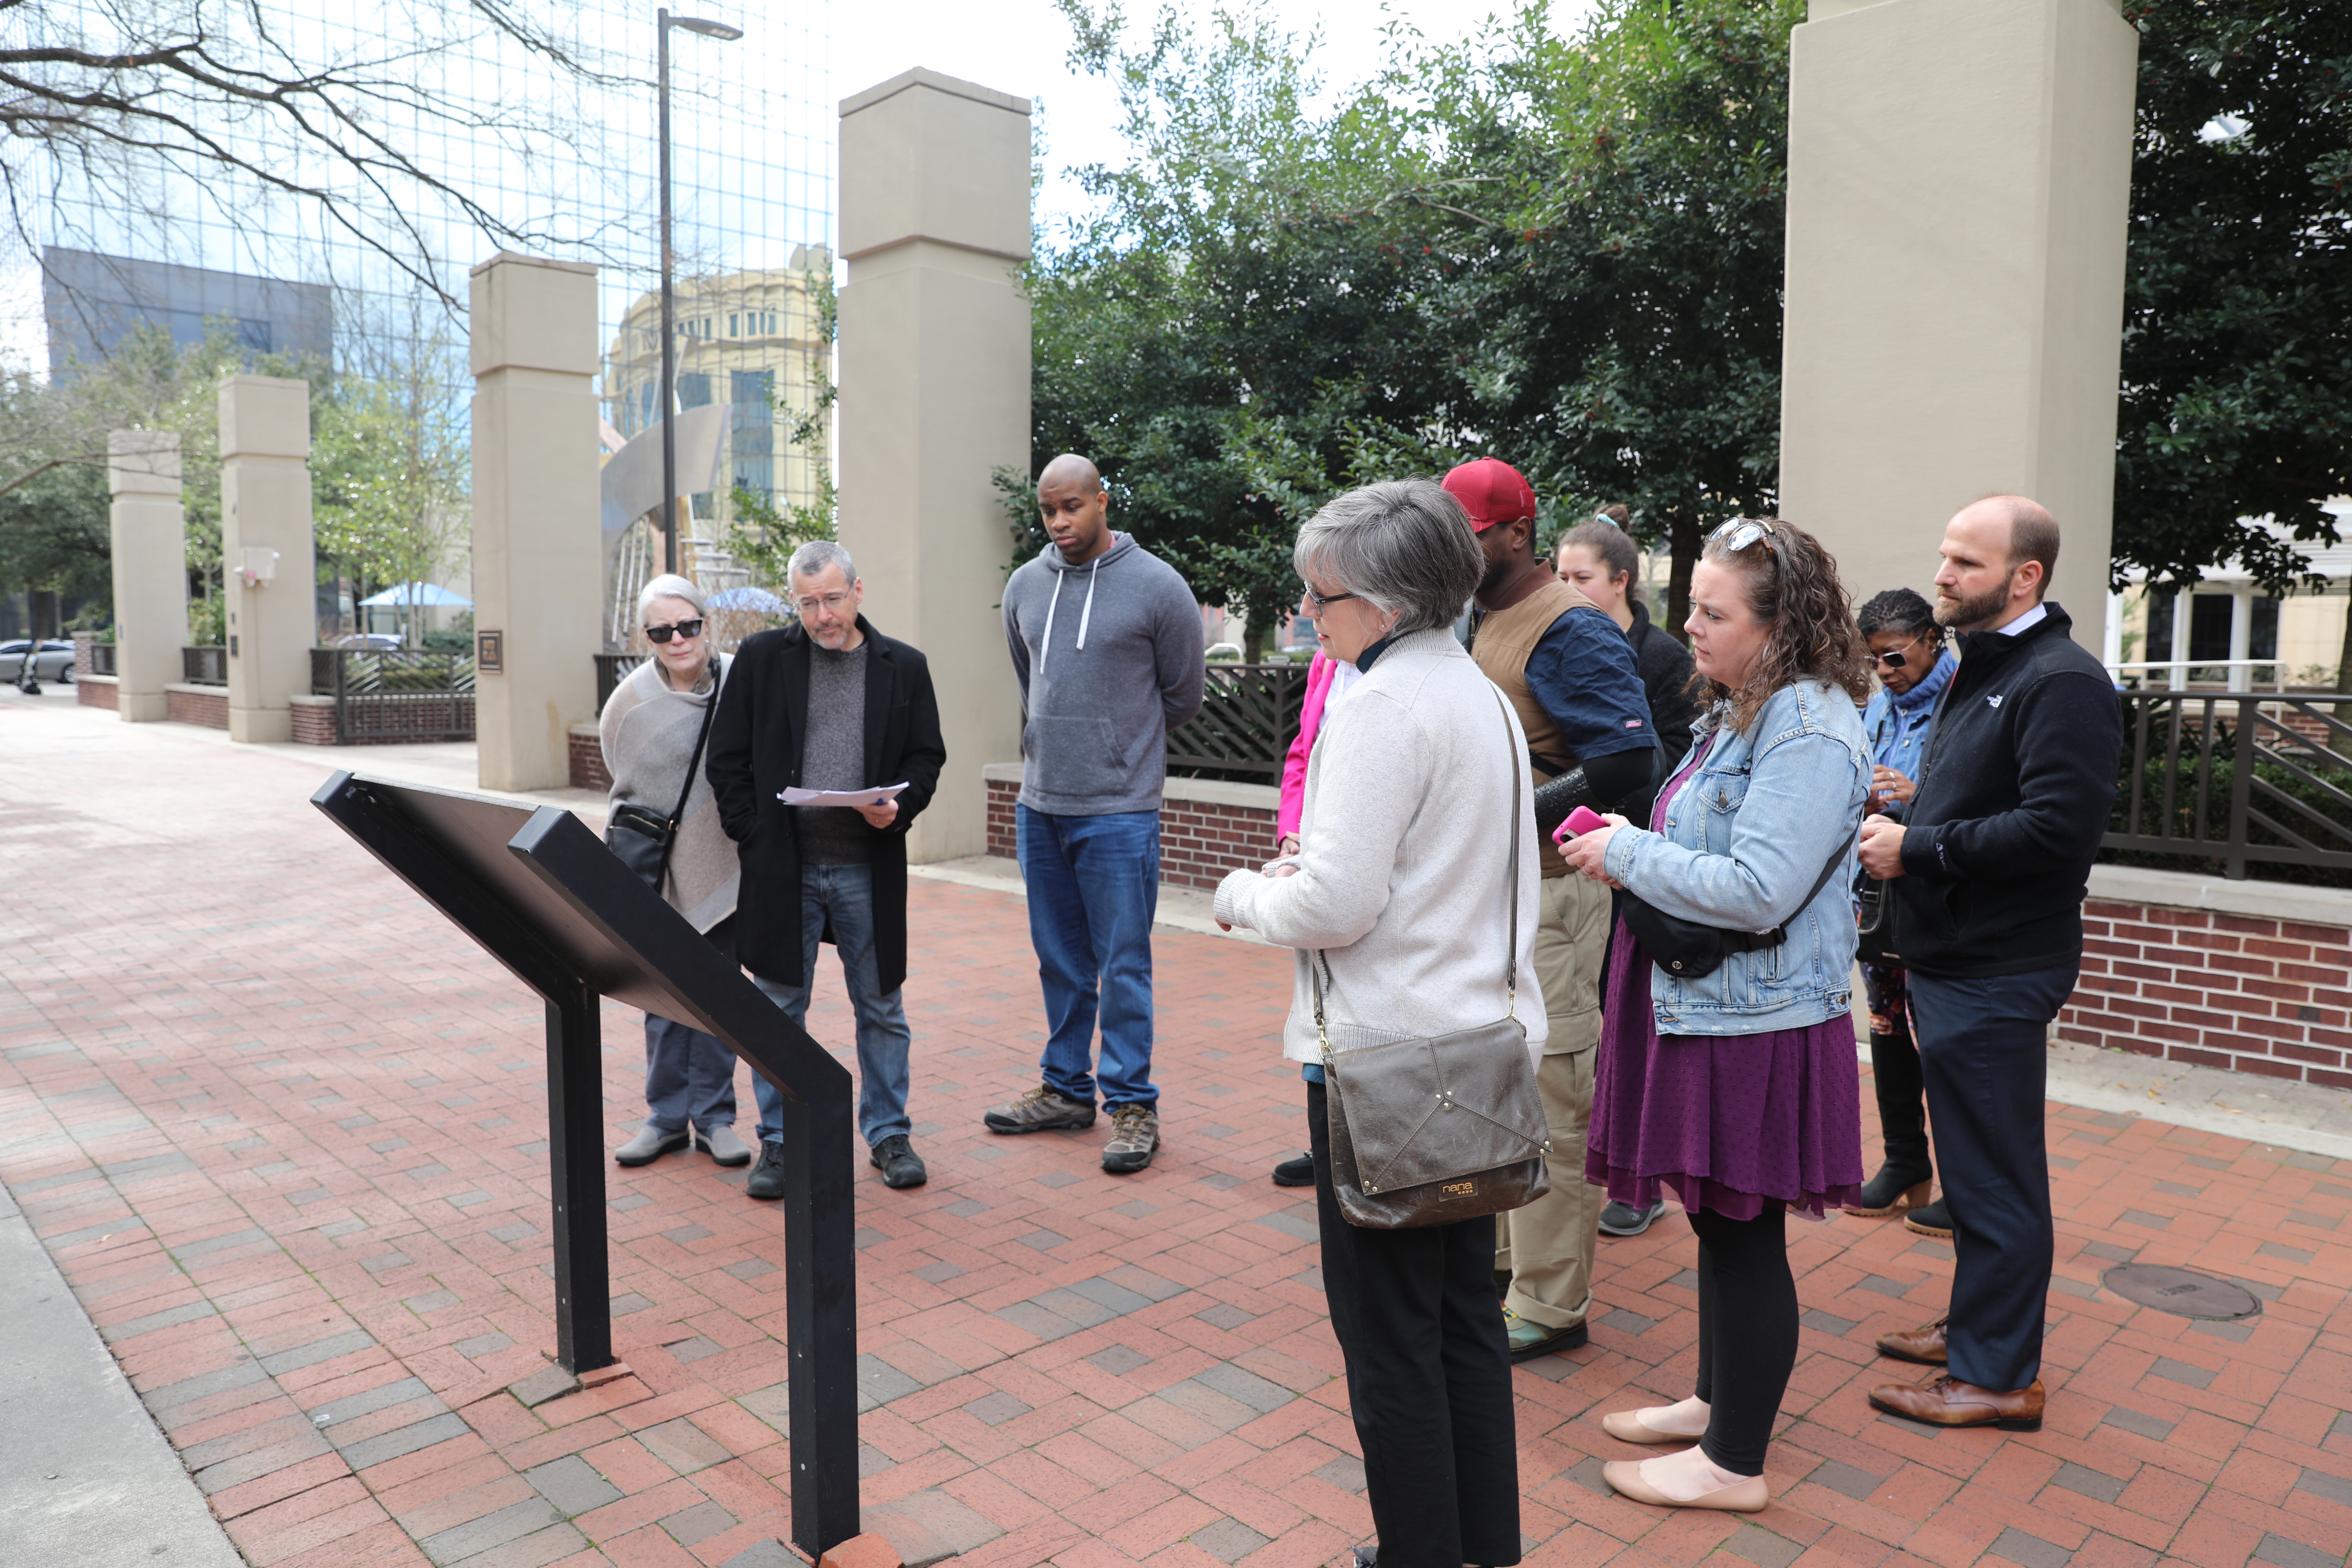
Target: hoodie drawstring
{"points": [[1086, 615]]}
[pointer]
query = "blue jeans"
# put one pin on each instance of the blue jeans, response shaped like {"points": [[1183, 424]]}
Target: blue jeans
{"points": [[1094, 887], [843, 896], [1984, 1051], [691, 1076]]}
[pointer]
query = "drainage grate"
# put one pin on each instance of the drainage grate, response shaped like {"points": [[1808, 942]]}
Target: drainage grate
{"points": [[2182, 1292]]}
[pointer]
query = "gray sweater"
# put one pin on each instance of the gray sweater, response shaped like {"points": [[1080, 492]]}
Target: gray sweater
{"points": [[1110, 658]]}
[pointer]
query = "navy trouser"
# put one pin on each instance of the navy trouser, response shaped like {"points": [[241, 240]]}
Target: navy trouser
{"points": [[1984, 1050]]}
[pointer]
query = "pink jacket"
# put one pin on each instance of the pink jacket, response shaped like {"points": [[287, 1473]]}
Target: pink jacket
{"points": [[1293, 765]]}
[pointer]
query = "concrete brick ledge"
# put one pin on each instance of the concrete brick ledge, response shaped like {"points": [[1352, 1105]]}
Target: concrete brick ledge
{"points": [[2189, 890], [1206, 792]]}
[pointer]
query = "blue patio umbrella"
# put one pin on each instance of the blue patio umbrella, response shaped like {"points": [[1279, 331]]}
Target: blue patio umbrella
{"points": [[747, 598], [432, 596]]}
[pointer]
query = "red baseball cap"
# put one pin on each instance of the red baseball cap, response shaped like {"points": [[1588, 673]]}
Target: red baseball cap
{"points": [[1491, 491]]}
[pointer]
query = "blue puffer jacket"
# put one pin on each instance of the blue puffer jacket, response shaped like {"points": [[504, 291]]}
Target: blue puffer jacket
{"points": [[1742, 841]]}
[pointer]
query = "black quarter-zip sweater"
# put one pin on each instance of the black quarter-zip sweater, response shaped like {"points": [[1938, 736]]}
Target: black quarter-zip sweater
{"points": [[2013, 799]]}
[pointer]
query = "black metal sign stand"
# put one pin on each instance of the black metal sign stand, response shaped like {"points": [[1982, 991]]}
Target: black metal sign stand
{"points": [[544, 897]]}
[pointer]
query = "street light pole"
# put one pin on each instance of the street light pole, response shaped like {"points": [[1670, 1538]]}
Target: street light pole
{"points": [[664, 21]]}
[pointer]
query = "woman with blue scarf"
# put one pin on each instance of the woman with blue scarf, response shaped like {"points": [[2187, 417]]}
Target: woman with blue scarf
{"points": [[1907, 651]]}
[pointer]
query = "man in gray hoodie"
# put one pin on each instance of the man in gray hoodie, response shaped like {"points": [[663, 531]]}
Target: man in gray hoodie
{"points": [[1106, 644]]}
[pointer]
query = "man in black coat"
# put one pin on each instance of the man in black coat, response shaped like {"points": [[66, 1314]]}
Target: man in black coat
{"points": [[1986, 867], [828, 704]]}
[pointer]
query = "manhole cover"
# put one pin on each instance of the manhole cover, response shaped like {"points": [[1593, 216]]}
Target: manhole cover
{"points": [[2182, 1292]]}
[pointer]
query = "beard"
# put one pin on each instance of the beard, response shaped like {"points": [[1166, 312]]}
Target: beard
{"points": [[1956, 612], [1497, 573]]}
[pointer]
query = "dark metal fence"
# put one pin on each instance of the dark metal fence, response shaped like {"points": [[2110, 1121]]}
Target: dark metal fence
{"points": [[203, 666], [1249, 716], [612, 668], [2237, 778], [397, 694]]}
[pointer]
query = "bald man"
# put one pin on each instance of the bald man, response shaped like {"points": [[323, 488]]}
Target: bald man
{"points": [[1106, 643], [1986, 866]]}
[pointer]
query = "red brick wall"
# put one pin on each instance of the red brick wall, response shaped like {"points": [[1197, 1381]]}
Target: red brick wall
{"points": [[2265, 996], [1200, 841], [588, 762], [314, 723], [97, 693], [209, 708]]}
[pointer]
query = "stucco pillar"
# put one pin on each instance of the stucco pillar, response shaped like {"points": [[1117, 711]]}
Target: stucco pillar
{"points": [[1959, 178], [266, 551], [934, 398], [539, 569], [148, 536]]}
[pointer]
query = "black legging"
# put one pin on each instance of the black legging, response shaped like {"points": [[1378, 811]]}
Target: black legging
{"points": [[1747, 1332]]}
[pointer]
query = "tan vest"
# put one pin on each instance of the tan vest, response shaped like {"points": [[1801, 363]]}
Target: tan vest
{"points": [[1504, 640]]}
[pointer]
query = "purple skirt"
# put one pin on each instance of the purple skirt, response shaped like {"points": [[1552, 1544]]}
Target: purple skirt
{"points": [[1732, 1124]]}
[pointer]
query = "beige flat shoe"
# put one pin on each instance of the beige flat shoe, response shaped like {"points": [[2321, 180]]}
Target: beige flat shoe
{"points": [[1627, 1427], [1745, 1497]]}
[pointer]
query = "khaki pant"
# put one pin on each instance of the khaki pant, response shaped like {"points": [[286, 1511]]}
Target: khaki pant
{"points": [[1548, 1247]]}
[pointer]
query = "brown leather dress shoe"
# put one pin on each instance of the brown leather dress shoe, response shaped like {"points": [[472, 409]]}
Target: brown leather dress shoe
{"points": [[1924, 1344], [1944, 1400]]}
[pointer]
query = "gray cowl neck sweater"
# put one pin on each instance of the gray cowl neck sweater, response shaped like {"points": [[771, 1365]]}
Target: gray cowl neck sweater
{"points": [[1110, 656]]}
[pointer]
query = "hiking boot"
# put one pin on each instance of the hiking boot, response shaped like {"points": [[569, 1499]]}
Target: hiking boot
{"points": [[900, 1166], [1040, 1110], [767, 1176], [1134, 1138], [1298, 1173]]}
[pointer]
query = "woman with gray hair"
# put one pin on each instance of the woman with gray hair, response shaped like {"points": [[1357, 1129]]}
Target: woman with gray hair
{"points": [[653, 730], [1404, 894]]}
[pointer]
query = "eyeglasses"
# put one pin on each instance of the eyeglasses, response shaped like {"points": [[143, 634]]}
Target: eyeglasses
{"points": [[1322, 601], [1739, 532], [687, 629], [817, 602]]}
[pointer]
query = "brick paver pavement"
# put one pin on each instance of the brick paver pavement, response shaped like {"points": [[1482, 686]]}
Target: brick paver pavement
{"points": [[283, 1130]]}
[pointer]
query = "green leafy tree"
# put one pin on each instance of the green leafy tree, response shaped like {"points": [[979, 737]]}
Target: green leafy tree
{"points": [[759, 533], [2237, 368]]}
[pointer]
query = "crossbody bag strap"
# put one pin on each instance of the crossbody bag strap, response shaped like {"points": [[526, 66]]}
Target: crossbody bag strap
{"points": [[694, 763], [1316, 964]]}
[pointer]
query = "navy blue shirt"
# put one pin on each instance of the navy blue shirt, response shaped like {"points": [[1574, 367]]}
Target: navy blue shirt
{"points": [[1582, 674]]}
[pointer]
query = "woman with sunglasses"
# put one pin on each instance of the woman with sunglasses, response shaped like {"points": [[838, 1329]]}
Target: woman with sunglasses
{"points": [[1737, 1088], [1914, 666], [653, 730]]}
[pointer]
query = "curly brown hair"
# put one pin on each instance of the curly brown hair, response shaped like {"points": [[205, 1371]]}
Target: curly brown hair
{"points": [[1790, 582]]}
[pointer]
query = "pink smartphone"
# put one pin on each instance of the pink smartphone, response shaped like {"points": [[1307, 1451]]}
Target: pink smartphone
{"points": [[1583, 819]]}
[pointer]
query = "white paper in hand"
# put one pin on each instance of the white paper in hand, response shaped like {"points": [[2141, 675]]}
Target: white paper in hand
{"points": [[874, 796]]}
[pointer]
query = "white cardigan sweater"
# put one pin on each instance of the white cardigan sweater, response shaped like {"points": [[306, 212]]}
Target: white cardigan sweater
{"points": [[1401, 877]]}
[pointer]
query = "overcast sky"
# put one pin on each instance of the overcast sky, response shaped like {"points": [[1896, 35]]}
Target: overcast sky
{"points": [[1019, 46]]}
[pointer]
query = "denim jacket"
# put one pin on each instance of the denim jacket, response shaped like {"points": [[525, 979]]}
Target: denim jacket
{"points": [[1742, 840]]}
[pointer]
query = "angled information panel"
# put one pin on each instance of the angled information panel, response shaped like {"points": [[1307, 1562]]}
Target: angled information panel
{"points": [[544, 895]]}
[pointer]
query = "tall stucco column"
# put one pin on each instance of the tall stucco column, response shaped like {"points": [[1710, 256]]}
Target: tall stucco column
{"points": [[148, 536], [1960, 179], [539, 570], [934, 398], [266, 551]]}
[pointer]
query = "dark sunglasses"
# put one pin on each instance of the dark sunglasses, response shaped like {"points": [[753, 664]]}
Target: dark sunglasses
{"points": [[1895, 660], [688, 629]]}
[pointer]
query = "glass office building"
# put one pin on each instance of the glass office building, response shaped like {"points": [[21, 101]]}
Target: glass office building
{"points": [[550, 133]]}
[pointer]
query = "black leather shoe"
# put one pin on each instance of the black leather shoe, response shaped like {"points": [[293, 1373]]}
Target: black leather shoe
{"points": [[1298, 1173], [899, 1165], [1935, 1219], [767, 1176]]}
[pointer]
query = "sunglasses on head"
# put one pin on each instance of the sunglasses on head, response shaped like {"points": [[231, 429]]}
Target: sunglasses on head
{"points": [[1739, 532], [688, 629]]}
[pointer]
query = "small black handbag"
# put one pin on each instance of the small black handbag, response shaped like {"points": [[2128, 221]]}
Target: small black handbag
{"points": [[642, 840], [1690, 951]]}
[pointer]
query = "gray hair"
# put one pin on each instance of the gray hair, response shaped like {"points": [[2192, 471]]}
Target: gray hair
{"points": [[669, 585], [1404, 546], [817, 555]]}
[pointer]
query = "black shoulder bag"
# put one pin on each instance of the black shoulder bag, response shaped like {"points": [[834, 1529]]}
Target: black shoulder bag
{"points": [[1691, 950], [644, 840]]}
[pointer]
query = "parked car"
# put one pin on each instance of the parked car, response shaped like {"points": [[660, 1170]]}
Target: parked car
{"points": [[53, 662]]}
